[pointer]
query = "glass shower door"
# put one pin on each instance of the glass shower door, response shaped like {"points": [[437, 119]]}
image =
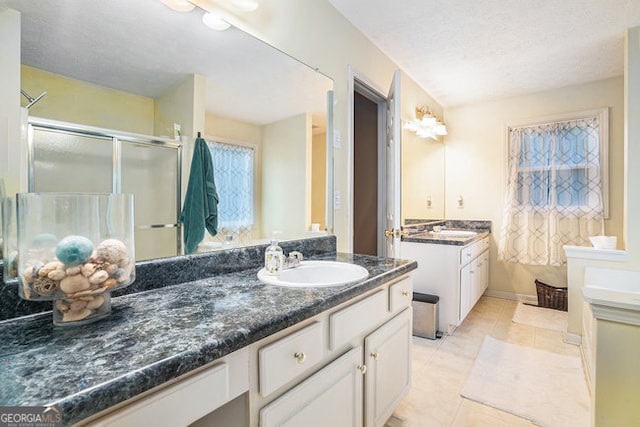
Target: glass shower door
{"points": [[150, 172], [70, 162]]}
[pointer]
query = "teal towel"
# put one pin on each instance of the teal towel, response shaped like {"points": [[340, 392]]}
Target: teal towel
{"points": [[200, 209]]}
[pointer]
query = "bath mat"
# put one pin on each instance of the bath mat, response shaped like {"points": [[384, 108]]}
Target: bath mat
{"points": [[539, 317], [546, 388]]}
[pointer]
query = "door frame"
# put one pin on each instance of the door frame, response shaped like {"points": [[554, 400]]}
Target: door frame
{"points": [[358, 82]]}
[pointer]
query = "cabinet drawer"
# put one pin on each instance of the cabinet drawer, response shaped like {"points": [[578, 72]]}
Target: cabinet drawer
{"points": [[357, 319], [468, 253], [400, 294], [204, 392], [285, 359]]}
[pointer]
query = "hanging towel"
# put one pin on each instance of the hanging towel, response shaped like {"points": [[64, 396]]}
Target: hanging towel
{"points": [[200, 209]]}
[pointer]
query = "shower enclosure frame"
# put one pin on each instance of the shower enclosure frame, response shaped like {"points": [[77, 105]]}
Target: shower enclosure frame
{"points": [[116, 137]]}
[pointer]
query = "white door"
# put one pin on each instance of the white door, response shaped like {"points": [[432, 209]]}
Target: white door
{"points": [[393, 156]]}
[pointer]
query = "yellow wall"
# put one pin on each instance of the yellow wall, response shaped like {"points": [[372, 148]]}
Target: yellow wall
{"points": [[422, 160], [76, 101], [476, 158], [286, 177]]}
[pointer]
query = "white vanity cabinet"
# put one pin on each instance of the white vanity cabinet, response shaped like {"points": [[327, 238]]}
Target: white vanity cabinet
{"points": [[459, 275], [367, 370], [347, 366]]}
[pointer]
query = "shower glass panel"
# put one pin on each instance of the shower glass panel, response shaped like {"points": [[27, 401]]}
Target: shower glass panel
{"points": [[67, 162], [150, 172], [65, 157]]}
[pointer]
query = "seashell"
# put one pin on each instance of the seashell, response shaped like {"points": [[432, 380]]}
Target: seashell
{"points": [[45, 286], [123, 274], [72, 284], [109, 284], [61, 306], [27, 277], [87, 292], [124, 262], [111, 250], [48, 268], [98, 277], [78, 305], [110, 268], [73, 316], [96, 303], [27, 292], [72, 271], [57, 275], [88, 269]]}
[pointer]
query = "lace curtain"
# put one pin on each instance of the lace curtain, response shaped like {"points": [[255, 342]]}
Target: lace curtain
{"points": [[554, 191], [233, 172]]}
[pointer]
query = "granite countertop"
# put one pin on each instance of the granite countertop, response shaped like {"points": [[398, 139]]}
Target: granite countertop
{"points": [[157, 335], [427, 237]]}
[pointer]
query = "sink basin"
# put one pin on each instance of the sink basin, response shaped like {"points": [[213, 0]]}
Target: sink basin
{"points": [[454, 233], [316, 273]]}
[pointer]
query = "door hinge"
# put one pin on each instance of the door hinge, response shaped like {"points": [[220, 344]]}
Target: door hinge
{"points": [[396, 233]]}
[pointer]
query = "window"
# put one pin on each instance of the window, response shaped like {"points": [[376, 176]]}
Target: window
{"points": [[233, 170], [559, 165], [556, 187]]}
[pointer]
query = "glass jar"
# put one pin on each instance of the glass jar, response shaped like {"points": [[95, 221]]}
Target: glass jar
{"points": [[75, 249]]}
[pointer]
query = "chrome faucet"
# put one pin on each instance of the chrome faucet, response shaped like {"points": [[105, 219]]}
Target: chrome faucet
{"points": [[293, 260]]}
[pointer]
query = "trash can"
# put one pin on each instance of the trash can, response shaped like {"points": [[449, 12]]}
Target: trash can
{"points": [[425, 315]]}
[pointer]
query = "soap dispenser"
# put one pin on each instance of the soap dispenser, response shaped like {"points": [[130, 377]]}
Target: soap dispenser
{"points": [[273, 258]]}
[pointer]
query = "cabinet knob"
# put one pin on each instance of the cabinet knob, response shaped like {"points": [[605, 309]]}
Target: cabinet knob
{"points": [[362, 369], [300, 357], [374, 356], [405, 293]]}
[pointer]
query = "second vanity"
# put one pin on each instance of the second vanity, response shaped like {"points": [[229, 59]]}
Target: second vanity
{"points": [[224, 350], [454, 267]]}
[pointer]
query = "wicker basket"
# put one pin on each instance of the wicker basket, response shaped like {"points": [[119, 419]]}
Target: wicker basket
{"points": [[551, 296]]}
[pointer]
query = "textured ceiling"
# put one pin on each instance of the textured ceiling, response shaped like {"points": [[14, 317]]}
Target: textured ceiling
{"points": [[463, 52], [143, 47]]}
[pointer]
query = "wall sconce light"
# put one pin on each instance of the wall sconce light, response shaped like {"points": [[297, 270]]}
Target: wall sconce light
{"points": [[426, 124]]}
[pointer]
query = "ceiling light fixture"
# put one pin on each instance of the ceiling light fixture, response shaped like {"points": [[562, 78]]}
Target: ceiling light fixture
{"points": [[179, 5], [245, 5], [215, 21], [426, 124]]}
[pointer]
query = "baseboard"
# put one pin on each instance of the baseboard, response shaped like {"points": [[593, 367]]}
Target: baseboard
{"points": [[529, 299]]}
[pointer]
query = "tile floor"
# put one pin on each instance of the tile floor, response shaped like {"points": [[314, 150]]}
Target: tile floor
{"points": [[441, 367]]}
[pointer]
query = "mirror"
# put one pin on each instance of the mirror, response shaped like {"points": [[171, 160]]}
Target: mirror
{"points": [[137, 66]]}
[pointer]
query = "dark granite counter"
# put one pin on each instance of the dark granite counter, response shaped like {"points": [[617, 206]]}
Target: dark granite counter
{"points": [[156, 335], [419, 231]]}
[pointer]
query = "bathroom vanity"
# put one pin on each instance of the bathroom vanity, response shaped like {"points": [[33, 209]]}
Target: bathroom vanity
{"points": [[224, 350], [453, 266]]}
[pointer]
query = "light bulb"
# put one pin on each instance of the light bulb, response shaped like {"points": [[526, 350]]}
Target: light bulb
{"points": [[245, 5], [178, 5], [214, 22]]}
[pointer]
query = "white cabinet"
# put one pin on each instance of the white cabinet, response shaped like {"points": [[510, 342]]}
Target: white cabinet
{"points": [[457, 274], [474, 280], [387, 353], [331, 397], [375, 332]]}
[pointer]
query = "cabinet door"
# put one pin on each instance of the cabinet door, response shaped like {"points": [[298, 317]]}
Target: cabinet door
{"points": [[467, 276], [331, 397], [483, 273], [388, 361]]}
